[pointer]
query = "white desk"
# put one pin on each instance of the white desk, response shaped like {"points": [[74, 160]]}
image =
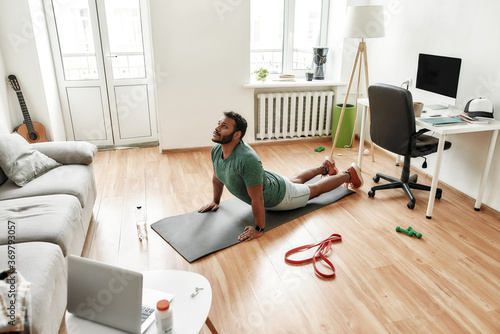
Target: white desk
{"points": [[190, 313], [442, 132]]}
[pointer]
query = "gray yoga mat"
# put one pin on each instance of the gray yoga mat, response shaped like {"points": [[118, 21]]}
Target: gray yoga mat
{"points": [[195, 235]]}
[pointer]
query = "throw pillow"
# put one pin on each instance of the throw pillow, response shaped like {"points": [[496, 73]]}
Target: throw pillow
{"points": [[21, 162], [68, 152]]}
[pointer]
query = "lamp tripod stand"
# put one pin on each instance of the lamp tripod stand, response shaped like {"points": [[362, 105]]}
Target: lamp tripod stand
{"points": [[361, 56]]}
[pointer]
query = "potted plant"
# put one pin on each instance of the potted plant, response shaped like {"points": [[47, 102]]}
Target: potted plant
{"points": [[261, 74], [309, 74]]}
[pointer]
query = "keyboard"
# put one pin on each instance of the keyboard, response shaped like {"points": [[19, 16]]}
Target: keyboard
{"points": [[146, 312]]}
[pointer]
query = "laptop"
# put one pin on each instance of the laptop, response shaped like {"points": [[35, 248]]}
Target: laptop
{"points": [[110, 295]]}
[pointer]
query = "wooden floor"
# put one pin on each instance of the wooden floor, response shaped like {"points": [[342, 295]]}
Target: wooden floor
{"points": [[386, 282]]}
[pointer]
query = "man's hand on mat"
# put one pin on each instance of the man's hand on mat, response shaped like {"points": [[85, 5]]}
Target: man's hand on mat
{"points": [[249, 234], [209, 207]]}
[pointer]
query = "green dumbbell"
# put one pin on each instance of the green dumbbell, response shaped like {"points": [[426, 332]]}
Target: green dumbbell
{"points": [[402, 230], [319, 149], [418, 235]]}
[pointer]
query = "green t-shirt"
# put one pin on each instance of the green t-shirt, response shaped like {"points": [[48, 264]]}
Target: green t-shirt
{"points": [[243, 169]]}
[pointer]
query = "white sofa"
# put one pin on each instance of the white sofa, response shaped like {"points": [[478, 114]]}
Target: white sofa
{"points": [[51, 215]]}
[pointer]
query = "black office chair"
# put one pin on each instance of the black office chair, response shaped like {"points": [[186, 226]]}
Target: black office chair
{"points": [[393, 128]]}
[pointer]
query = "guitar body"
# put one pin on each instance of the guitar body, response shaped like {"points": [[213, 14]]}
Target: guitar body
{"points": [[37, 136], [33, 132]]}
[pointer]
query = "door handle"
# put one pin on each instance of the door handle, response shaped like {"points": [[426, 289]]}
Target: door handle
{"points": [[110, 56]]}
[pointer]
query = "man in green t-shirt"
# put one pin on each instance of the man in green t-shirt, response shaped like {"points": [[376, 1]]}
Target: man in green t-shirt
{"points": [[238, 167]]}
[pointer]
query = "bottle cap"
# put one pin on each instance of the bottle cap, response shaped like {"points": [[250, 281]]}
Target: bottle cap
{"points": [[163, 305]]}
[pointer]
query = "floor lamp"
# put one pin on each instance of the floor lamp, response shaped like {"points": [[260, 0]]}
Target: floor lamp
{"points": [[361, 22]]}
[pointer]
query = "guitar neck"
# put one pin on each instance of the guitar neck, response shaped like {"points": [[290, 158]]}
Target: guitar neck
{"points": [[26, 114]]}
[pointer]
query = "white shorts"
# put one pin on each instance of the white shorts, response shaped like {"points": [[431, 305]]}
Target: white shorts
{"points": [[296, 196]]}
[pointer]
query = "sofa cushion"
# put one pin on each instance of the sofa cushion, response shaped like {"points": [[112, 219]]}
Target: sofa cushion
{"points": [[44, 266], [21, 162], [68, 152], [76, 180], [54, 218], [3, 177]]}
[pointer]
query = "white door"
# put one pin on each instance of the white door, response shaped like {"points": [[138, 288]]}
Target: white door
{"points": [[102, 52]]}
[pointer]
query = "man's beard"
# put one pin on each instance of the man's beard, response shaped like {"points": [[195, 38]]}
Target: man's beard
{"points": [[224, 139]]}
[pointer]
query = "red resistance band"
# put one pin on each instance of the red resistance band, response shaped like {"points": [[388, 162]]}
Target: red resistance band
{"points": [[323, 249]]}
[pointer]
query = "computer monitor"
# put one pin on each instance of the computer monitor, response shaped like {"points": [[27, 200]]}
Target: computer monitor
{"points": [[437, 80]]}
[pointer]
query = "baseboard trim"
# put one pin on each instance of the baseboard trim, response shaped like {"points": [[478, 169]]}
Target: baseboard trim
{"points": [[258, 143]]}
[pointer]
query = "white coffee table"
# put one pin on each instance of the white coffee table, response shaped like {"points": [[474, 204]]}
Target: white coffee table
{"points": [[190, 312]]}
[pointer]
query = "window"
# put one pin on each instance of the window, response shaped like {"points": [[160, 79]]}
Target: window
{"points": [[284, 32], [76, 40]]}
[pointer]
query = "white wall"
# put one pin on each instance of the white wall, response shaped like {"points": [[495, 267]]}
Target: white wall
{"points": [[51, 103], [459, 28], [5, 121], [335, 59], [202, 57], [26, 54], [202, 54]]}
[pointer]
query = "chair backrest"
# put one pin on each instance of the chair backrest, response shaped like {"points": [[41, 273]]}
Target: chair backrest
{"points": [[392, 118]]}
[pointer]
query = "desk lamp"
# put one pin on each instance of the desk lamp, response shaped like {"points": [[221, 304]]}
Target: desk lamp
{"points": [[361, 22]]}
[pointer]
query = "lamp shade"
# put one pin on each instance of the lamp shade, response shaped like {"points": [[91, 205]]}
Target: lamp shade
{"points": [[364, 22]]}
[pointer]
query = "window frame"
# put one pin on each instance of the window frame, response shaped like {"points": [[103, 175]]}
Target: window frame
{"points": [[288, 35]]}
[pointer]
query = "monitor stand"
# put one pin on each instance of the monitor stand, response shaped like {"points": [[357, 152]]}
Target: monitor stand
{"points": [[437, 106]]}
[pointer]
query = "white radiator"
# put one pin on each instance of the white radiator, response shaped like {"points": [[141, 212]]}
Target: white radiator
{"points": [[294, 114]]}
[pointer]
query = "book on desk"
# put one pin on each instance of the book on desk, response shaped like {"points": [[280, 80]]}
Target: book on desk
{"points": [[473, 120], [444, 121]]}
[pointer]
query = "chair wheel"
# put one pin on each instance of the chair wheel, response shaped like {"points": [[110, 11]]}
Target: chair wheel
{"points": [[371, 193], [415, 181], [439, 193], [376, 179], [410, 205]]}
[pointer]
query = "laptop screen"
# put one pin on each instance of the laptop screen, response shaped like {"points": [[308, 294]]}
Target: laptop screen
{"points": [[105, 294]]}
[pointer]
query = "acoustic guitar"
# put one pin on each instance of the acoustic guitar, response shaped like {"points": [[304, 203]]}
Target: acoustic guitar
{"points": [[33, 132]]}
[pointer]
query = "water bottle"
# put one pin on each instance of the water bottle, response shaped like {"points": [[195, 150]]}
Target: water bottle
{"points": [[164, 319], [140, 221]]}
